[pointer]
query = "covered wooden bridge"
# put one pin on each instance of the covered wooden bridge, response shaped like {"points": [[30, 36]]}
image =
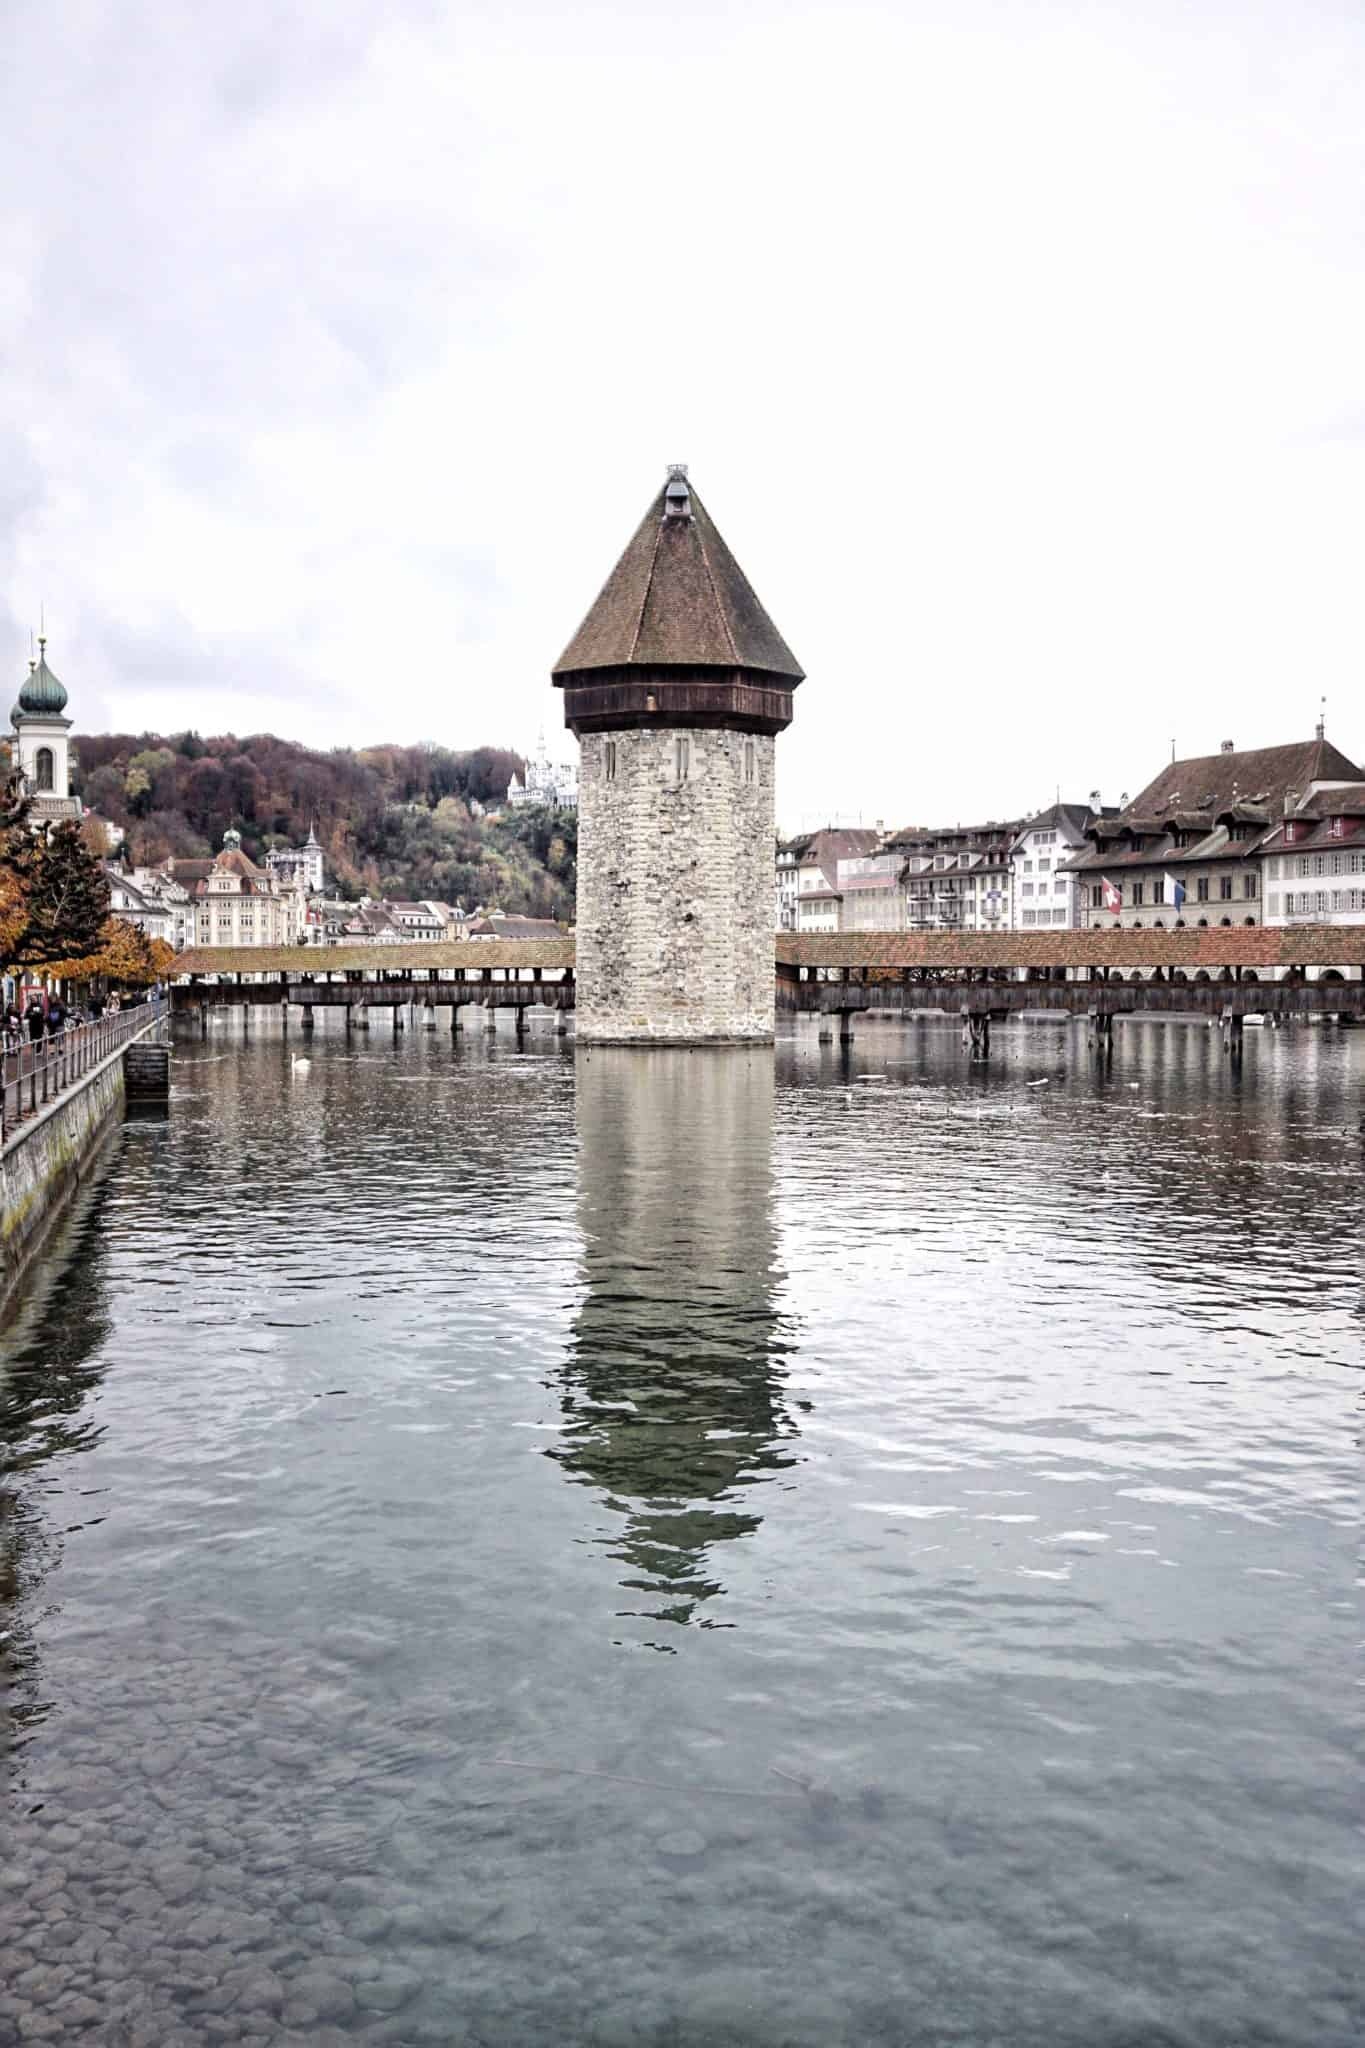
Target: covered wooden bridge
{"points": [[1228, 972]]}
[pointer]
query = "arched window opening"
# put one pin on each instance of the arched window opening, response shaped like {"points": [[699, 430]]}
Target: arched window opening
{"points": [[42, 768]]}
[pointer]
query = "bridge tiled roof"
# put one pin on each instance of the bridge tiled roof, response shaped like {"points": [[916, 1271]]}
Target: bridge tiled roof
{"points": [[420, 956], [1303, 945], [1300, 945]]}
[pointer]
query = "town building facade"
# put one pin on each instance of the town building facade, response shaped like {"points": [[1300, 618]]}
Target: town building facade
{"points": [[300, 867], [1190, 848], [957, 878], [237, 903], [1043, 890], [1314, 859], [143, 907], [871, 892]]}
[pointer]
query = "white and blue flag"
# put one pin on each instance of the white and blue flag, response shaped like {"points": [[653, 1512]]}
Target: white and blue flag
{"points": [[1177, 890]]}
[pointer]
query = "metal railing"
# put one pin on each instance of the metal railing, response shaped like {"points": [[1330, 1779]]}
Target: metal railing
{"points": [[36, 1072]]}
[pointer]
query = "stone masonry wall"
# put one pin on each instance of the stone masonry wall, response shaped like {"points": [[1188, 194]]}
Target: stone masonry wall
{"points": [[45, 1160], [675, 885]]}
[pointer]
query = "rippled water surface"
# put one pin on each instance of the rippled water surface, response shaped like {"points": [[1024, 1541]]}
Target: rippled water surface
{"points": [[550, 1547]]}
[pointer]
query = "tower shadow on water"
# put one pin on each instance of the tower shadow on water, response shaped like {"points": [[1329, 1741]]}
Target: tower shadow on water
{"points": [[672, 1391]]}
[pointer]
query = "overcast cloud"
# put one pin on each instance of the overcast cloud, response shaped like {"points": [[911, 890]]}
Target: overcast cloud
{"points": [[1016, 349]]}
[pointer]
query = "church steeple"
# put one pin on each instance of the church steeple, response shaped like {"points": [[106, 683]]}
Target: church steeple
{"points": [[42, 744], [41, 694]]}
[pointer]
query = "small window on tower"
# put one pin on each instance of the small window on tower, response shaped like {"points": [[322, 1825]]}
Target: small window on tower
{"points": [[611, 760], [748, 760], [682, 758], [42, 767]]}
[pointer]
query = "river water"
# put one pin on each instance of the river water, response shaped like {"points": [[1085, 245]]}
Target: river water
{"points": [[551, 1547]]}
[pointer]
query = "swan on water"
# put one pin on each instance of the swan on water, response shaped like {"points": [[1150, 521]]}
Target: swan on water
{"points": [[299, 1062]]}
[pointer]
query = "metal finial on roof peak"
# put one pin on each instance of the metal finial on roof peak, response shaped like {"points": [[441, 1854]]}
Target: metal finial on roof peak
{"points": [[677, 498]]}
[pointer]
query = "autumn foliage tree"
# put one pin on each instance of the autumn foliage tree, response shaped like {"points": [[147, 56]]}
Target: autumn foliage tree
{"points": [[125, 956]]}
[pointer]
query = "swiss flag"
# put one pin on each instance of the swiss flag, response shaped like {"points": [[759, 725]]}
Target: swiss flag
{"points": [[1113, 895]]}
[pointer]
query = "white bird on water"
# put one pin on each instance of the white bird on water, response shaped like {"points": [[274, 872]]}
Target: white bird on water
{"points": [[299, 1063]]}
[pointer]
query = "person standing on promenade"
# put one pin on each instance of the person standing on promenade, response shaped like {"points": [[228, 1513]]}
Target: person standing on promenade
{"points": [[35, 1017]]}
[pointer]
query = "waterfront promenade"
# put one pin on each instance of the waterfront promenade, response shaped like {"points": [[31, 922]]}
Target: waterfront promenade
{"points": [[37, 1073]]}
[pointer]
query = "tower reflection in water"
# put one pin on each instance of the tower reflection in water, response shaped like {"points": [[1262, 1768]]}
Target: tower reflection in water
{"points": [[672, 1390]]}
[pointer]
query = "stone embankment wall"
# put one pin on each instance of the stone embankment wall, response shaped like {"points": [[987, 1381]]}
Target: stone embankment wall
{"points": [[46, 1159], [675, 889]]}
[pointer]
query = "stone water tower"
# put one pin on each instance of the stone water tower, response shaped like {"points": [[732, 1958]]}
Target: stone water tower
{"points": [[676, 684]]}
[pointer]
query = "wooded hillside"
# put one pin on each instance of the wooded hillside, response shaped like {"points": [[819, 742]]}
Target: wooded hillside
{"points": [[394, 821]]}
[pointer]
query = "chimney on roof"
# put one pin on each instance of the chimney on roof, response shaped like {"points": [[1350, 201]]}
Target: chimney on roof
{"points": [[1291, 797], [1229, 747], [677, 498]]}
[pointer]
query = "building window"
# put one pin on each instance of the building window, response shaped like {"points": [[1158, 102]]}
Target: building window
{"points": [[1139, 892], [1225, 888], [1201, 889], [42, 768], [682, 758], [1096, 896], [610, 760], [1249, 887], [749, 761]]}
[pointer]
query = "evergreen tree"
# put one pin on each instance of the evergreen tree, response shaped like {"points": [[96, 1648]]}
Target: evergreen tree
{"points": [[56, 886]]}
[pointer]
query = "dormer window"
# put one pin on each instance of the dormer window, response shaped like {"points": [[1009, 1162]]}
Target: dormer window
{"points": [[1338, 828]]}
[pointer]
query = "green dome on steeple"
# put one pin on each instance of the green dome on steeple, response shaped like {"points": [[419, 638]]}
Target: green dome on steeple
{"points": [[42, 694]]}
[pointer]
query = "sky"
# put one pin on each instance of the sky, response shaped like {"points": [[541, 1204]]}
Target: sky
{"points": [[1015, 349]]}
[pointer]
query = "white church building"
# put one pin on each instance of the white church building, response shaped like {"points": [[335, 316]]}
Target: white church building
{"points": [[551, 783], [42, 743]]}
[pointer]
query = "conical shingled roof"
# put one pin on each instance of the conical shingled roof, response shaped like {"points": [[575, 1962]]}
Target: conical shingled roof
{"points": [[678, 599]]}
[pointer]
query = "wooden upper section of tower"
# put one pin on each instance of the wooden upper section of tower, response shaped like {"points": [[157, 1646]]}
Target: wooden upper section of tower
{"points": [[677, 635]]}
